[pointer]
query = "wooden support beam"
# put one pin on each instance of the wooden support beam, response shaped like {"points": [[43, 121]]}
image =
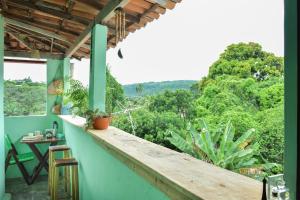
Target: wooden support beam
{"points": [[164, 3], [50, 11], [4, 5], [36, 29], [97, 5], [105, 14], [22, 61], [152, 9], [70, 5], [36, 1], [20, 39], [46, 41], [26, 54]]}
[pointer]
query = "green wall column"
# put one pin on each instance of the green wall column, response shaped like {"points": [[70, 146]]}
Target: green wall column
{"points": [[2, 150], [66, 74], [291, 65], [97, 84]]}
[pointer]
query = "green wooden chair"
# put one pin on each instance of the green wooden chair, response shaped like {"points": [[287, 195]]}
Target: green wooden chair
{"points": [[13, 157]]}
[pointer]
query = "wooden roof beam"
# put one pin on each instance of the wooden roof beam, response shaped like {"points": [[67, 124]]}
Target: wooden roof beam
{"points": [[151, 9], [70, 5], [36, 30], [104, 15], [164, 3], [54, 12], [4, 5], [97, 5], [27, 54], [54, 27], [20, 39]]}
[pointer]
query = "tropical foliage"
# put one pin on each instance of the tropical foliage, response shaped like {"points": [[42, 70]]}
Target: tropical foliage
{"points": [[220, 148], [24, 97]]}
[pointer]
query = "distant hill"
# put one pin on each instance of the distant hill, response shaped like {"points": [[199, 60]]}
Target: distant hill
{"points": [[151, 88]]}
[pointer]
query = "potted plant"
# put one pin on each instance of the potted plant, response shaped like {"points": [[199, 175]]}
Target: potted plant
{"points": [[97, 120]]}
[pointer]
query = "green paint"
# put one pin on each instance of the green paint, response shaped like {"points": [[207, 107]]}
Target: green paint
{"points": [[102, 176], [16, 127], [66, 73], [98, 68], [291, 64], [2, 185]]}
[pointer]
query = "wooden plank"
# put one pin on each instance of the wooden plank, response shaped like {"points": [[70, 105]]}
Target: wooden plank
{"points": [[4, 5], [36, 29], [43, 26], [12, 60], [105, 14], [50, 11], [152, 9], [21, 40], [25, 54], [164, 3], [39, 39], [70, 5], [97, 5], [178, 175], [147, 12]]}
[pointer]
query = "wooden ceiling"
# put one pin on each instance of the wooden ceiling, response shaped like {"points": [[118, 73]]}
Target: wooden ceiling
{"points": [[62, 27]]}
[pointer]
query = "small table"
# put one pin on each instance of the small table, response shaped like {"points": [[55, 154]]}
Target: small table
{"points": [[43, 159]]}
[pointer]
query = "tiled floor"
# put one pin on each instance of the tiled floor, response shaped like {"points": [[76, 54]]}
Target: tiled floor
{"points": [[19, 190]]}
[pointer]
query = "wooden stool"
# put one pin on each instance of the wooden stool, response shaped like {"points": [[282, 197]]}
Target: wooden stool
{"points": [[66, 154], [67, 163]]}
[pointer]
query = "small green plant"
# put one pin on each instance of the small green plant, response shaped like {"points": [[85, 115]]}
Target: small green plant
{"points": [[91, 115]]}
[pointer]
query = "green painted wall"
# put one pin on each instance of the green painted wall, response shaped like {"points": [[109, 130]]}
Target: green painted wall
{"points": [[16, 127], [291, 86], [2, 185], [102, 176]]}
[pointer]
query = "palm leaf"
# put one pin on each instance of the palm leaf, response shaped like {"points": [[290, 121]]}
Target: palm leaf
{"points": [[180, 143]]}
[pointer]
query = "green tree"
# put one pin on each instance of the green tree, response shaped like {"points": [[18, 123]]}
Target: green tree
{"points": [[114, 93], [245, 60], [178, 102], [139, 89]]}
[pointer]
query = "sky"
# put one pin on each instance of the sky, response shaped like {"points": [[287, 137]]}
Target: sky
{"points": [[184, 42]]}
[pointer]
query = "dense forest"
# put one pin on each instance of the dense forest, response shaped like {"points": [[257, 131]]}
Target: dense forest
{"points": [[24, 97], [232, 118], [153, 88]]}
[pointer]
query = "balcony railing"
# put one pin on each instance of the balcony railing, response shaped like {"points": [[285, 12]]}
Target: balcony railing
{"points": [[118, 165]]}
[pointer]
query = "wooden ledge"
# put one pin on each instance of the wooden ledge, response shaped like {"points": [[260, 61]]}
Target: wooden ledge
{"points": [[178, 175]]}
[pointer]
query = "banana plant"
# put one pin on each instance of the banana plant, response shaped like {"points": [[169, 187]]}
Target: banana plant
{"points": [[220, 148]]}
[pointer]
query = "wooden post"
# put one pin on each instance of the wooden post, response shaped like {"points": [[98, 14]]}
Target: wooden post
{"points": [[97, 84], [291, 159], [2, 150]]}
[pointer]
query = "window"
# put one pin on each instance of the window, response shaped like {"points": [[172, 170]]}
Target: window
{"points": [[25, 89]]}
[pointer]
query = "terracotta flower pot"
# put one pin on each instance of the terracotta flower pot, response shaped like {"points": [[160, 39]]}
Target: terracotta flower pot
{"points": [[101, 123]]}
